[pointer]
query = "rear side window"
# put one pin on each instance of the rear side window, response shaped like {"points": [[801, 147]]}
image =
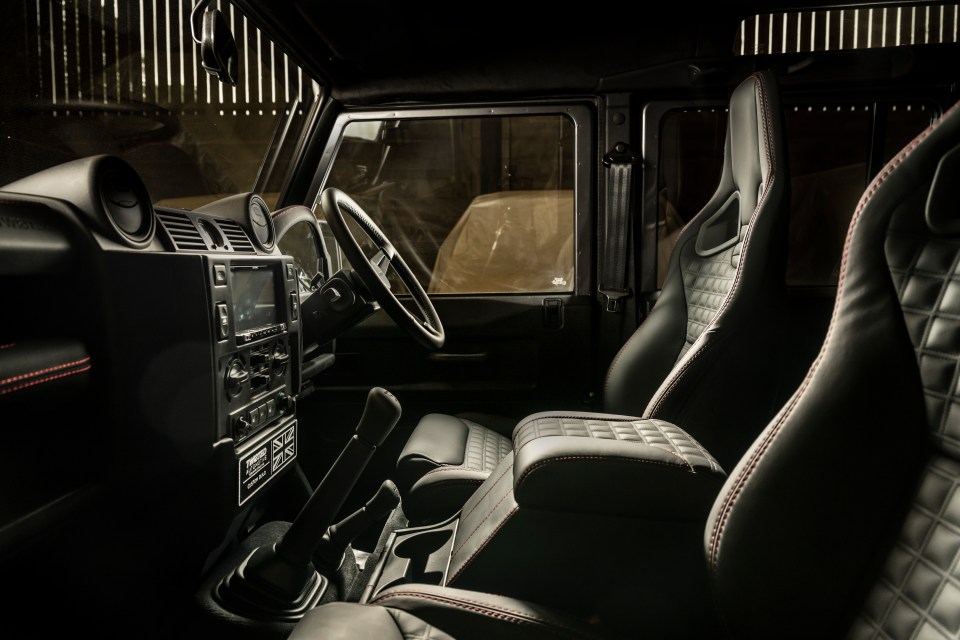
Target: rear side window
{"points": [[834, 149], [481, 205]]}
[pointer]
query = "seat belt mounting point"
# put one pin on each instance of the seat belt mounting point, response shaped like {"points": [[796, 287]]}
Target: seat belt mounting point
{"points": [[621, 153], [613, 299]]}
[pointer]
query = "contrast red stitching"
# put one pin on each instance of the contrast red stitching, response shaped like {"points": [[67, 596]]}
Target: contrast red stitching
{"points": [[500, 612], [772, 163], [489, 489], [738, 485], [8, 345], [42, 380], [444, 469], [482, 546], [43, 371], [479, 524], [286, 210]]}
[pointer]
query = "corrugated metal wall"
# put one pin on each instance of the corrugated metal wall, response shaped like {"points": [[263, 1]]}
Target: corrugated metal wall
{"points": [[122, 51], [881, 26]]}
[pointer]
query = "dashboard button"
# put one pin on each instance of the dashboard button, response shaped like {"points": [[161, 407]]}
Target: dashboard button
{"points": [[220, 275], [223, 321]]}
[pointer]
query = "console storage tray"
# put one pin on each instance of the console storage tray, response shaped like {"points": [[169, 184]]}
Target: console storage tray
{"points": [[414, 555]]}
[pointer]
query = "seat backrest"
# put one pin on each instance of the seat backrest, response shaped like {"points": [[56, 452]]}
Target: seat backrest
{"points": [[707, 341], [843, 518]]}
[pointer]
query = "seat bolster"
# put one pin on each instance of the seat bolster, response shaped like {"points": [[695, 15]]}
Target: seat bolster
{"points": [[441, 493], [615, 477], [473, 614], [503, 425], [437, 440], [349, 620]]}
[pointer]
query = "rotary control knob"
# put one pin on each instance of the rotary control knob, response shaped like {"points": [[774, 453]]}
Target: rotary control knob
{"points": [[237, 376], [280, 360]]}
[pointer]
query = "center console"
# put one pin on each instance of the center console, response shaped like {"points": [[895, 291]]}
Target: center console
{"points": [[255, 309], [591, 522]]}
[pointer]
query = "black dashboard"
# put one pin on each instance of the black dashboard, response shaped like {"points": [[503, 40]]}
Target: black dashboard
{"points": [[149, 363]]}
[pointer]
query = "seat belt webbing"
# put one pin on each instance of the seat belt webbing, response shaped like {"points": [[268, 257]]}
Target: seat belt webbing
{"points": [[613, 289]]}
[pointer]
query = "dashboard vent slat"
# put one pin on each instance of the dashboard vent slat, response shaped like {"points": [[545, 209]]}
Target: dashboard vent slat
{"points": [[182, 231], [236, 237]]}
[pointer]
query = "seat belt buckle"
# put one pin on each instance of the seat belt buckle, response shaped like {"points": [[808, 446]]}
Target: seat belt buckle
{"points": [[612, 299]]}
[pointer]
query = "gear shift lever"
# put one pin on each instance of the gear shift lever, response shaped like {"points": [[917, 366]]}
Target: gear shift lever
{"points": [[279, 581], [329, 553]]}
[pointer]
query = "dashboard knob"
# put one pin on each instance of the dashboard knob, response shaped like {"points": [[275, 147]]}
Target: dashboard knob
{"points": [[237, 376]]}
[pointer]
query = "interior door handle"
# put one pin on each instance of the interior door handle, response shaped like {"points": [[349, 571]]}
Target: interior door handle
{"points": [[459, 358]]}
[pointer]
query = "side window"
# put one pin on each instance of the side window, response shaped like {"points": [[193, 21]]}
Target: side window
{"points": [[125, 78], [475, 205], [832, 148], [691, 158]]}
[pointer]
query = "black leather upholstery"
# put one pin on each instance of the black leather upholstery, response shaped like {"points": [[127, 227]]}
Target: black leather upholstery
{"points": [[842, 520], [708, 338], [419, 612], [843, 515], [349, 621]]}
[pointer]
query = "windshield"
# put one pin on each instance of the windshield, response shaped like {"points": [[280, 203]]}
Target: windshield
{"points": [[124, 78]]}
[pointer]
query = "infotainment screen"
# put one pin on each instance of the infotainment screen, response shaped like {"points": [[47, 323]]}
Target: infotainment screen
{"points": [[254, 297]]}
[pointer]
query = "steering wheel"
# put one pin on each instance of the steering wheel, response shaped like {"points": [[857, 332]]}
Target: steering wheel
{"points": [[425, 329]]}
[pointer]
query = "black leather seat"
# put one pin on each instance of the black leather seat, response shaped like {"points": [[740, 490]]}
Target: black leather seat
{"points": [[707, 342], [842, 520]]}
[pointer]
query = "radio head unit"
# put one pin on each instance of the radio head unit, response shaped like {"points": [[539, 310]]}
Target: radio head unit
{"points": [[256, 312], [257, 322]]}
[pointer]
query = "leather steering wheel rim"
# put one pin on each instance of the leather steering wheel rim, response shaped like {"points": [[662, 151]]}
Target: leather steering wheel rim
{"points": [[427, 330]]}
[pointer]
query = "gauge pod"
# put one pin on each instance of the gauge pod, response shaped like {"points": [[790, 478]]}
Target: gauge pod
{"points": [[261, 223], [251, 212], [125, 202], [105, 189]]}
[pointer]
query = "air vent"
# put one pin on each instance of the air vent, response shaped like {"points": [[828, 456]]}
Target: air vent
{"points": [[237, 240], [182, 231]]}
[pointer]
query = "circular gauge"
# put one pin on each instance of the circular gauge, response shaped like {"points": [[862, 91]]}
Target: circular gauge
{"points": [[126, 203], [261, 223]]}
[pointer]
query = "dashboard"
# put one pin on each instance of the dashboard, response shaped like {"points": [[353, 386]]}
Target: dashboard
{"points": [[150, 359]]}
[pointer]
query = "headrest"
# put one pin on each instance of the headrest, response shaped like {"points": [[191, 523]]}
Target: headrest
{"points": [[943, 201]]}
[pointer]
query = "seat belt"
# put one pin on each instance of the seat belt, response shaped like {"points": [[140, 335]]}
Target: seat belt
{"points": [[613, 289]]}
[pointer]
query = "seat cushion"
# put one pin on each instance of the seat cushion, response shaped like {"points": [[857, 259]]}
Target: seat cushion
{"points": [[348, 621], [445, 459]]}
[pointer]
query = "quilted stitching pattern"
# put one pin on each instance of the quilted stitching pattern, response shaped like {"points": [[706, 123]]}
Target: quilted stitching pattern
{"points": [[918, 594], [414, 628], [656, 433], [485, 448], [926, 273], [706, 283]]}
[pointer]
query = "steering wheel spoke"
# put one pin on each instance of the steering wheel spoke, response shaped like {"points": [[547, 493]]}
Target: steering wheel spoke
{"points": [[382, 261], [426, 327]]}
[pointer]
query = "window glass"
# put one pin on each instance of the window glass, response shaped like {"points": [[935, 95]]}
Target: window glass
{"points": [[474, 205], [832, 150], [125, 79], [691, 159]]}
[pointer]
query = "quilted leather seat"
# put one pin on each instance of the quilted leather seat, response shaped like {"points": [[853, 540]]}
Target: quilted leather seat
{"points": [[842, 519], [707, 340]]}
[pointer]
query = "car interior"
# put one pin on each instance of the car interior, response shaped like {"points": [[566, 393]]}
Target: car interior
{"points": [[330, 320]]}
